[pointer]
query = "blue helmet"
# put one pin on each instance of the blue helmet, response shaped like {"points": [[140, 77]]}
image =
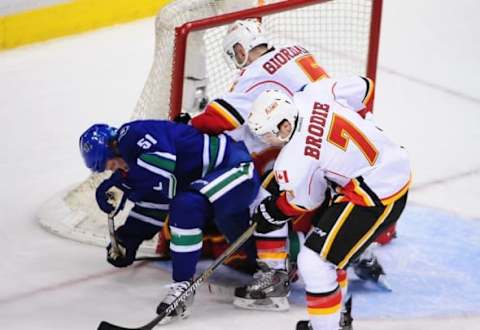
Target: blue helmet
{"points": [[95, 146]]}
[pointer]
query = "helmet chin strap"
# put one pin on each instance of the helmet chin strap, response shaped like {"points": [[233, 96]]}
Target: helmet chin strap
{"points": [[241, 65], [245, 59]]}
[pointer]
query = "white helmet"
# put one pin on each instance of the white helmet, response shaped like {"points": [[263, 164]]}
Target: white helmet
{"points": [[248, 33], [269, 110]]}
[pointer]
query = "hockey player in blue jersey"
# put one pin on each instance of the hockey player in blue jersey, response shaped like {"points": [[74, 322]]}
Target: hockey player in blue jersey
{"points": [[169, 168]]}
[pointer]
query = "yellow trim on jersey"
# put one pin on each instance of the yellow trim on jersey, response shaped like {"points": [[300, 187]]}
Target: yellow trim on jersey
{"points": [[343, 283], [166, 228], [323, 311], [362, 193], [268, 179], [333, 233], [398, 195], [272, 255], [225, 114], [371, 88], [367, 235]]}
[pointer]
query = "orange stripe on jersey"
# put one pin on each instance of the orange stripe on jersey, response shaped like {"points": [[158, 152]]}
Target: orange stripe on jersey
{"points": [[271, 255], [324, 304], [224, 113], [370, 89], [288, 209], [166, 229], [364, 194], [354, 193]]}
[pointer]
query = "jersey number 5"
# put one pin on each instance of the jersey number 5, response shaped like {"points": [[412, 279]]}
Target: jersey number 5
{"points": [[311, 68], [342, 131]]}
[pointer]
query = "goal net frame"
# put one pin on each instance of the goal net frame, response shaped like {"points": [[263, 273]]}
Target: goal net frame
{"points": [[182, 32], [73, 213]]}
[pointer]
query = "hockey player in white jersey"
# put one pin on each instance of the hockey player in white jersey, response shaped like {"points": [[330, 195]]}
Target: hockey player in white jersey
{"points": [[261, 67], [326, 140]]}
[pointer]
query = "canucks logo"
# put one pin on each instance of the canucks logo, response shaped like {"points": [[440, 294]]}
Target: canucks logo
{"points": [[122, 132], [86, 147]]}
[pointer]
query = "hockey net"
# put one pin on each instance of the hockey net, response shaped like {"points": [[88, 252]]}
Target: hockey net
{"points": [[343, 35]]}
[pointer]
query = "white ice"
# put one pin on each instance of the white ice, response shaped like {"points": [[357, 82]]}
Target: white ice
{"points": [[427, 98]]}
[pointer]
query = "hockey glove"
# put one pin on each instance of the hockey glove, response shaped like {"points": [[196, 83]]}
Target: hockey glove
{"points": [[268, 217], [128, 250], [103, 197], [182, 118]]}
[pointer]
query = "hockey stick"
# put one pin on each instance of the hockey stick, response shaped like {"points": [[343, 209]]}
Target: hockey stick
{"points": [[113, 236], [193, 286], [111, 226], [153, 258]]}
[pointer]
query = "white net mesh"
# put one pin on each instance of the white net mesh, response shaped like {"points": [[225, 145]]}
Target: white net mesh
{"points": [[337, 32]]}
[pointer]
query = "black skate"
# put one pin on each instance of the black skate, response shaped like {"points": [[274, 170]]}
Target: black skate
{"points": [[369, 269], [304, 325], [268, 291]]}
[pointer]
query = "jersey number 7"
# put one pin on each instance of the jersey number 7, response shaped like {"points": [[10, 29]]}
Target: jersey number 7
{"points": [[343, 131]]}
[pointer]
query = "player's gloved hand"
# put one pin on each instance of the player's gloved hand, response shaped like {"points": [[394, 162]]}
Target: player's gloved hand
{"points": [[102, 196], [182, 118], [118, 258], [268, 217], [126, 254]]}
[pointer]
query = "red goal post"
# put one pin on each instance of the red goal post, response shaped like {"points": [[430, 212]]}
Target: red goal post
{"points": [[182, 32]]}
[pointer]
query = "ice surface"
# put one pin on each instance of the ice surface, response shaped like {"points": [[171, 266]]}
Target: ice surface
{"points": [[427, 99]]}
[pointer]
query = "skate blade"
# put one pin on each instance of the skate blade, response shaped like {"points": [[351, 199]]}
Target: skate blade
{"points": [[277, 304], [382, 282], [221, 292], [169, 319]]}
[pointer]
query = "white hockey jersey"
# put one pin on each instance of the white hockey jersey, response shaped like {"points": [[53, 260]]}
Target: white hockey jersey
{"points": [[333, 143], [287, 69]]}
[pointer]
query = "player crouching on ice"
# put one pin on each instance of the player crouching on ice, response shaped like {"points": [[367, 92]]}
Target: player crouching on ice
{"points": [[164, 167], [326, 141]]}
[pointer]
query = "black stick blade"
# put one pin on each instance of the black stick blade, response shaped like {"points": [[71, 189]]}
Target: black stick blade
{"points": [[104, 325]]}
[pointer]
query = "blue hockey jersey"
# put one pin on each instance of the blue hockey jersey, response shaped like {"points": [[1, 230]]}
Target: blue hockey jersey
{"points": [[164, 157]]}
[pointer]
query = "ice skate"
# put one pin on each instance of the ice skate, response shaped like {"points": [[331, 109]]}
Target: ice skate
{"points": [[369, 269], [345, 323], [346, 319], [268, 291], [184, 308], [304, 325]]}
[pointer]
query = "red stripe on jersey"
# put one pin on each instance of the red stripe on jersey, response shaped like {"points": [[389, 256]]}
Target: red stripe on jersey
{"points": [[211, 121], [354, 195], [271, 245], [331, 300], [341, 275], [287, 208], [270, 82]]}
